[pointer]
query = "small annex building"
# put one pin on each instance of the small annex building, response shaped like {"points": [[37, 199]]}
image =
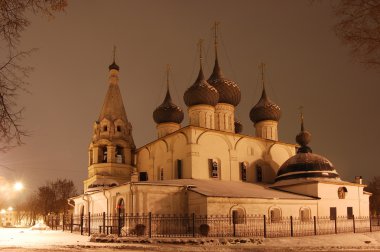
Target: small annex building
{"points": [[208, 167]]}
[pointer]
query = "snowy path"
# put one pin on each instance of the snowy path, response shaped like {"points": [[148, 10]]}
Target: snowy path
{"points": [[17, 240]]}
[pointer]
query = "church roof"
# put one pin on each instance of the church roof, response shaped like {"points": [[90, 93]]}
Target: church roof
{"points": [[113, 106], [305, 164], [230, 189]]}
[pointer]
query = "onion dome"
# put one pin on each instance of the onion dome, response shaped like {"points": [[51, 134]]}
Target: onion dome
{"points": [[229, 91], [168, 111], [113, 66], [265, 109], [238, 127], [201, 92], [306, 164]]}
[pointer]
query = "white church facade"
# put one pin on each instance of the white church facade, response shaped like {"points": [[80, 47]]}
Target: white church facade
{"points": [[208, 167]]}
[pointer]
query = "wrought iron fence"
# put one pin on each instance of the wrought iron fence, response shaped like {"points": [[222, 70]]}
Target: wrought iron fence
{"points": [[157, 225]]}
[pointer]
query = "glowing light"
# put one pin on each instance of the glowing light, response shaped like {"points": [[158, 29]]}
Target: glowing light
{"points": [[10, 208], [18, 186], [2, 211]]}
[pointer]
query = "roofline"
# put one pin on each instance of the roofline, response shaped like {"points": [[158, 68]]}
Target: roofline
{"points": [[216, 131], [326, 182], [266, 198], [281, 190]]}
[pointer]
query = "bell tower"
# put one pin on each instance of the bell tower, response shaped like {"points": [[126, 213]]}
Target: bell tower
{"points": [[110, 151]]}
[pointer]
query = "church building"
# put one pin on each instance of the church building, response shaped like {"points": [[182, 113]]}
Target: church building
{"points": [[208, 166]]}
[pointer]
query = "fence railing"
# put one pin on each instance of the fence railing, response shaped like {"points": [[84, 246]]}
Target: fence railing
{"points": [[158, 225]]}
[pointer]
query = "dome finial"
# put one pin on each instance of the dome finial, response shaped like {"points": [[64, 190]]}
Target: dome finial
{"points": [[167, 76], [262, 68], [304, 137], [114, 65], [114, 53], [168, 98], [302, 123], [200, 75], [215, 28]]}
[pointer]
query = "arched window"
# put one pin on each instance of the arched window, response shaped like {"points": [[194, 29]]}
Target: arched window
{"points": [[119, 154], [238, 216], [118, 128], [214, 168], [259, 173], [161, 173], [91, 157], [305, 214], [104, 154], [105, 128], [342, 192], [243, 171], [275, 215], [121, 212]]}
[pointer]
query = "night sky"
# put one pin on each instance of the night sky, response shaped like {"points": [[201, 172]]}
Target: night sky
{"points": [[306, 65]]}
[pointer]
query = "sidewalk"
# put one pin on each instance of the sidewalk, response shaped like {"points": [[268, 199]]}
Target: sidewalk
{"points": [[17, 239]]}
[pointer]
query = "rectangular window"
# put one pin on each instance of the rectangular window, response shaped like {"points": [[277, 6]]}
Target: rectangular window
{"points": [[179, 169], [214, 173], [332, 213], [143, 176], [162, 174], [350, 213], [243, 171]]}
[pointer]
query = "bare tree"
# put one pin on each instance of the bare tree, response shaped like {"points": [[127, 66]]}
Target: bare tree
{"points": [[358, 27], [15, 18], [374, 200]]}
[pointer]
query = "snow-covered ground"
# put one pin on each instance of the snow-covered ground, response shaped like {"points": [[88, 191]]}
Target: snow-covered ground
{"points": [[17, 239]]}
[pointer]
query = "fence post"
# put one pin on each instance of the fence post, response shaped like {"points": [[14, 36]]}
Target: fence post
{"points": [[150, 224], [104, 222], [315, 225], [81, 224], [63, 222], [336, 228], [193, 216], [370, 224], [118, 224], [71, 223], [89, 223], [291, 226], [353, 222], [265, 226]]}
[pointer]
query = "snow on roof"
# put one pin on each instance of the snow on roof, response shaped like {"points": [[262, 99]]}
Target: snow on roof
{"points": [[230, 189]]}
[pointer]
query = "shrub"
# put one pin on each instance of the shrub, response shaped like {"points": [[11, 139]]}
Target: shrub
{"points": [[140, 229], [204, 229]]}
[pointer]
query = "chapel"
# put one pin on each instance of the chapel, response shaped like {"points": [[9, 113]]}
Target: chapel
{"points": [[208, 166]]}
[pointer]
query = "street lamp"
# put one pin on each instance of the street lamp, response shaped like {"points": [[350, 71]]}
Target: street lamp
{"points": [[18, 186]]}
